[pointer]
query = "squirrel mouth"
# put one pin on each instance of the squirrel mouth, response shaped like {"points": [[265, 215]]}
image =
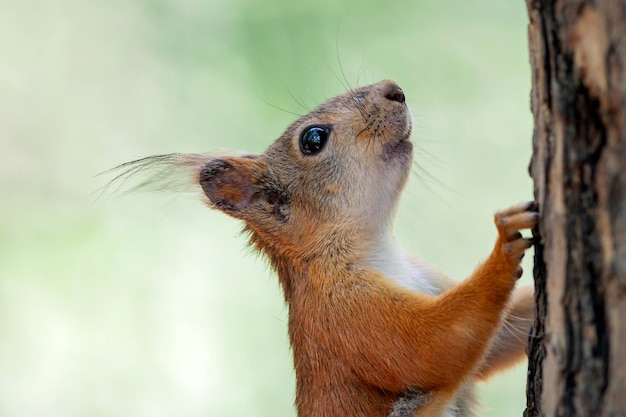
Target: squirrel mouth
{"points": [[405, 136], [406, 126], [400, 148]]}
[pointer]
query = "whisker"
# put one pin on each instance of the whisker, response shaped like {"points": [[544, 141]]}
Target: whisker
{"points": [[343, 74], [421, 150], [519, 318], [346, 84], [361, 72], [367, 127], [426, 182], [299, 101], [515, 333], [425, 175], [279, 108]]}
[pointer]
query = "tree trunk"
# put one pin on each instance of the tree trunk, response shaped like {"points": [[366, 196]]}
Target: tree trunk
{"points": [[577, 353]]}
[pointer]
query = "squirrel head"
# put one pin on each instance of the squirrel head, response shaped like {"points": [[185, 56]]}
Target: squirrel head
{"points": [[333, 177], [339, 168]]}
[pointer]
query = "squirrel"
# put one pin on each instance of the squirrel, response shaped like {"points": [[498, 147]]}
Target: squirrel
{"points": [[373, 331]]}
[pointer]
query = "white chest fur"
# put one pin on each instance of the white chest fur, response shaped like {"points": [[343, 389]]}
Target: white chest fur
{"points": [[389, 259]]}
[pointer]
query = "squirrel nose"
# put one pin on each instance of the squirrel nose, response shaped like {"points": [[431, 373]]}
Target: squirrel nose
{"points": [[394, 93]]}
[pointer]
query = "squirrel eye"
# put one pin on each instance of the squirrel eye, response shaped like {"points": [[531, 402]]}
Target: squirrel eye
{"points": [[313, 139]]}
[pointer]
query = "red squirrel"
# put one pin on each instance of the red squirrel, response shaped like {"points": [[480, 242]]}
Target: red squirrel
{"points": [[373, 331]]}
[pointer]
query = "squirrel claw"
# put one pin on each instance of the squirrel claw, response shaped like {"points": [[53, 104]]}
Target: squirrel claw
{"points": [[509, 223]]}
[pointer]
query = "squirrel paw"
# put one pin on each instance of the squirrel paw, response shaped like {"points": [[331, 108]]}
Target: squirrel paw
{"points": [[509, 223]]}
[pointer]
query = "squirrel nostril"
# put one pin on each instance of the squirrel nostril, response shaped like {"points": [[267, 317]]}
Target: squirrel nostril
{"points": [[395, 94]]}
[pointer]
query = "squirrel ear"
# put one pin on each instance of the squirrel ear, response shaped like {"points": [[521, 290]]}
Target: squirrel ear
{"points": [[231, 183]]}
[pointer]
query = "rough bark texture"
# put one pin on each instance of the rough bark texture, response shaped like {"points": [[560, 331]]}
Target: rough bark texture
{"points": [[577, 353]]}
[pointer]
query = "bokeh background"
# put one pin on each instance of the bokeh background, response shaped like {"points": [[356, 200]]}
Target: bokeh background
{"points": [[150, 304]]}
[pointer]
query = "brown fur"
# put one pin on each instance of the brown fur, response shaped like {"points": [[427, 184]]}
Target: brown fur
{"points": [[360, 340]]}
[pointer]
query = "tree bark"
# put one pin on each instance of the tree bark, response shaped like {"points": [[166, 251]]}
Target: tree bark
{"points": [[577, 352]]}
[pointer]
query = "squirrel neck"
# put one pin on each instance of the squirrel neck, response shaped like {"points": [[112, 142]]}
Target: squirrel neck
{"points": [[344, 253], [332, 251], [318, 270]]}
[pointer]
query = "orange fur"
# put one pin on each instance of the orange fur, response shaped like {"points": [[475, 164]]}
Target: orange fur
{"points": [[367, 325], [378, 335]]}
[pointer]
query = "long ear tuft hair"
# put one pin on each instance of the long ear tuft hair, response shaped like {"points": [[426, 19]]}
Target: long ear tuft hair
{"points": [[170, 172]]}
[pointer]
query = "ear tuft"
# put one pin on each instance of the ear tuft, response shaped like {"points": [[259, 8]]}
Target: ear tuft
{"points": [[171, 172]]}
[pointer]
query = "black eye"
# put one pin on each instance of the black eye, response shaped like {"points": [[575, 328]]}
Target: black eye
{"points": [[313, 139]]}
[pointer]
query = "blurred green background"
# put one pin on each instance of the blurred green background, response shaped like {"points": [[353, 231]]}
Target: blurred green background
{"points": [[151, 305]]}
